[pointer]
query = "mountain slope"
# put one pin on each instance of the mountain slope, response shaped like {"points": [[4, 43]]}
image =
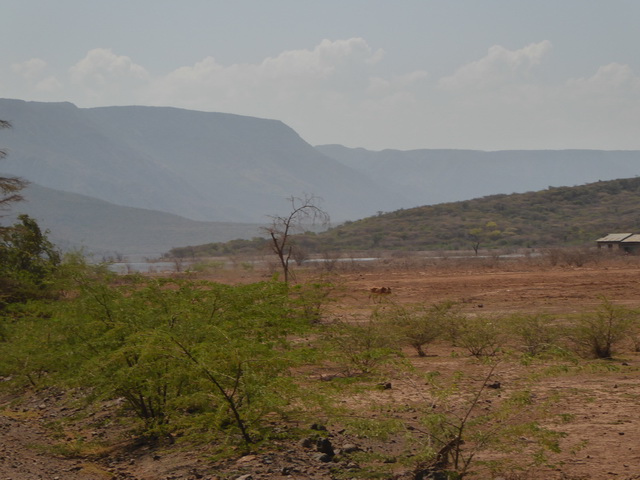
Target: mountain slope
{"points": [[204, 166], [78, 221], [434, 176], [557, 216]]}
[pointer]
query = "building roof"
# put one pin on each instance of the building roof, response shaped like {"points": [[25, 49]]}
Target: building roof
{"points": [[635, 238], [616, 237]]}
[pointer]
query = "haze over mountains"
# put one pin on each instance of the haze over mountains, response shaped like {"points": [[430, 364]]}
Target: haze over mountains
{"points": [[215, 167], [203, 166], [106, 229], [429, 177]]}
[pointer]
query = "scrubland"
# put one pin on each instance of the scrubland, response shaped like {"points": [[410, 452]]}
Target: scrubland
{"points": [[515, 366]]}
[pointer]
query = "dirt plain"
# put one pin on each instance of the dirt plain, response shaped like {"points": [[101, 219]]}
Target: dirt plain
{"points": [[599, 402]]}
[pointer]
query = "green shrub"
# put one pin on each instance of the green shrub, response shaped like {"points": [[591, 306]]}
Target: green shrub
{"points": [[597, 334], [362, 347], [535, 333], [311, 299], [418, 326], [28, 261], [481, 336], [190, 355]]}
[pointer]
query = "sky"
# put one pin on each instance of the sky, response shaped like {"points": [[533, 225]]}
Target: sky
{"points": [[400, 74]]}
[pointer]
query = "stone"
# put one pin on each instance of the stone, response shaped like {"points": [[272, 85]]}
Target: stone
{"points": [[349, 448], [323, 457], [324, 445]]}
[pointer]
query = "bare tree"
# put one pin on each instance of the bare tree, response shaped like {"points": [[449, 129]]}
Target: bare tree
{"points": [[9, 186], [304, 212]]}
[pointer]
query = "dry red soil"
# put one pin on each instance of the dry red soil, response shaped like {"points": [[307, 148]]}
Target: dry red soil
{"points": [[604, 406], [600, 401]]}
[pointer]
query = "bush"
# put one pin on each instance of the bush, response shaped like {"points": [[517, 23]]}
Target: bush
{"points": [[28, 261], [419, 326], [535, 333], [362, 347], [481, 336], [188, 355], [311, 299], [596, 334]]}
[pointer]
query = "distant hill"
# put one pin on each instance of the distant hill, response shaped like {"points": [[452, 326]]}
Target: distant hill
{"points": [[557, 216], [215, 167], [203, 166], [104, 229], [427, 177]]}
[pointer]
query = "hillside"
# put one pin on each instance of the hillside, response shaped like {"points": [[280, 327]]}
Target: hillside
{"points": [[553, 217], [102, 228], [203, 166]]}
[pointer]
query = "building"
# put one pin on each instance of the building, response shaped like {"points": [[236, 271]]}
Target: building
{"points": [[624, 242], [631, 244]]}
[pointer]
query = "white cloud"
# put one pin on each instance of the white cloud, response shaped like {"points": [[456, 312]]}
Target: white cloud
{"points": [[500, 65], [31, 69], [609, 78], [106, 78], [49, 84], [274, 85], [380, 85], [101, 66], [34, 72], [322, 61], [339, 91]]}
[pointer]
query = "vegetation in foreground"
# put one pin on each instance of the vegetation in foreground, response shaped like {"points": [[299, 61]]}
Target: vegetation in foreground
{"points": [[248, 368]]}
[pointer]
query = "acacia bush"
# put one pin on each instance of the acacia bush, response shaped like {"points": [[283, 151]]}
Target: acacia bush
{"points": [[186, 355], [362, 347], [419, 325], [534, 334], [598, 333], [480, 336], [311, 299]]}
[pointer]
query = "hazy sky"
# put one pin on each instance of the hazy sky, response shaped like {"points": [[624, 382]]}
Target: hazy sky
{"points": [[479, 74]]}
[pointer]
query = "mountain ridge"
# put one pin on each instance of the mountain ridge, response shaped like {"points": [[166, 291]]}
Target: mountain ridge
{"points": [[201, 165]]}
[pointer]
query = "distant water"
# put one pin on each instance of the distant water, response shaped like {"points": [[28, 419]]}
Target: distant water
{"points": [[124, 268]]}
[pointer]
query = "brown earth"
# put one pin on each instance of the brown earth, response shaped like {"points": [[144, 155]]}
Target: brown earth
{"points": [[598, 406]]}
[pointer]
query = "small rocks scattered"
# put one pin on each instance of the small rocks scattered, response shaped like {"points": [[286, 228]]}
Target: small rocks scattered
{"points": [[349, 448]]}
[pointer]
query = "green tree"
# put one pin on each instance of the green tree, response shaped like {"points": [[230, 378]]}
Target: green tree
{"points": [[479, 235], [27, 261], [9, 186]]}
